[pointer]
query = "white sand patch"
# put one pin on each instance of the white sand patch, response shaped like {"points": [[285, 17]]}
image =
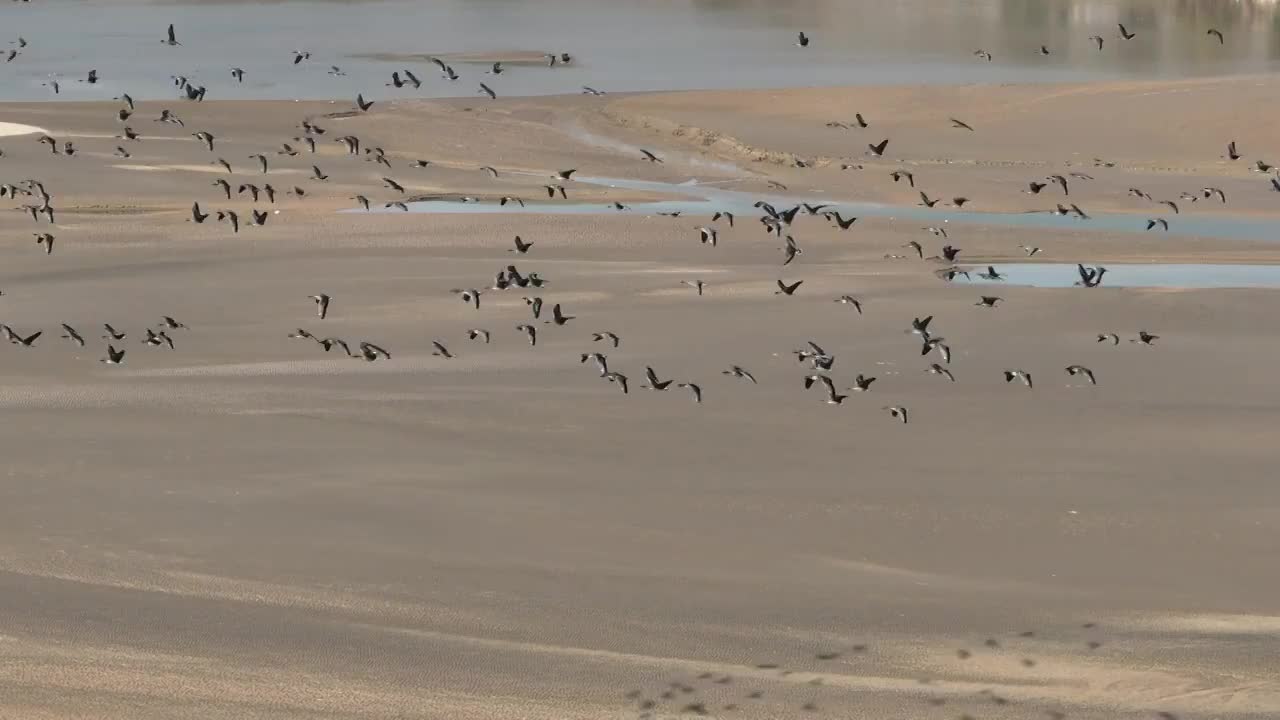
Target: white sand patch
{"points": [[7, 129]]}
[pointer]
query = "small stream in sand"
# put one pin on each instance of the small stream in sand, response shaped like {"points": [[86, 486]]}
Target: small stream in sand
{"points": [[700, 198]]}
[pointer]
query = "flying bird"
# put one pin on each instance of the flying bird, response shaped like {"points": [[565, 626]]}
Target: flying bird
{"points": [[171, 38], [469, 295], [1125, 33], [1022, 375], [322, 305], [897, 412], [651, 378], [788, 290], [606, 335], [878, 149], [530, 331], [802, 40], [850, 300], [693, 388], [1218, 34], [832, 397], [1074, 370], [738, 372], [961, 125], [363, 104], [936, 369]]}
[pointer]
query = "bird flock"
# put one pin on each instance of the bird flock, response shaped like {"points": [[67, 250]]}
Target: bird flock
{"points": [[778, 221]]}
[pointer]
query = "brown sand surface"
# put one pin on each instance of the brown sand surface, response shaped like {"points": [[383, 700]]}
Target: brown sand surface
{"points": [[249, 527]]}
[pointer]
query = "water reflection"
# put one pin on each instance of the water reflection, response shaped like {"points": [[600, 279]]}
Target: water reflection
{"points": [[675, 44]]}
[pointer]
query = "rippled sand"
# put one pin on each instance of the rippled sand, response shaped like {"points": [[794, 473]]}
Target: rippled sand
{"points": [[247, 526]]}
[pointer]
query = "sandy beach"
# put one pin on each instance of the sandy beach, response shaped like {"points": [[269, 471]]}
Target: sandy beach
{"points": [[248, 526]]}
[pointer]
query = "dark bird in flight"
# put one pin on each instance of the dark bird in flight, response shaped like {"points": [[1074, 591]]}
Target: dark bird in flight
{"points": [[1125, 33], [841, 222], [925, 201], [530, 331], [1145, 338], [1152, 222], [1211, 191], [1218, 34], [316, 174], [1062, 181], [738, 372], [440, 350], [832, 397], [558, 317], [114, 357], [322, 305], [606, 335], [1114, 338], [650, 156], [619, 378], [474, 333], [521, 247], [488, 91], [898, 412], [988, 301], [171, 39], [1023, 375], [802, 40], [1097, 39], [231, 217], [70, 333], [651, 378], [45, 239], [363, 104], [962, 125], [899, 174], [693, 388], [982, 54], [469, 295], [238, 74], [205, 138], [1074, 370], [878, 149], [862, 383], [1231, 151], [936, 369], [850, 300], [788, 290], [196, 216]]}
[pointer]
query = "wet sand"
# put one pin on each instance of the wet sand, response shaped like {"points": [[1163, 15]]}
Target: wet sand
{"points": [[247, 526]]}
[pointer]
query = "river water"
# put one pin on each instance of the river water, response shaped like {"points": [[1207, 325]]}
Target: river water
{"points": [[617, 46]]}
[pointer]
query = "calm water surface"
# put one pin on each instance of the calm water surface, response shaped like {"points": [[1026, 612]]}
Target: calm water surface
{"points": [[618, 46], [1151, 275]]}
